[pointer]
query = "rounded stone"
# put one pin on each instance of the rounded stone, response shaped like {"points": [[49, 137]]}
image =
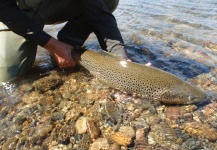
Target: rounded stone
{"points": [[128, 130], [101, 143], [81, 125]]}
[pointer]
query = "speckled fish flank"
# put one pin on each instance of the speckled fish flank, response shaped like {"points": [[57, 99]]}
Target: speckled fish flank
{"points": [[137, 78]]}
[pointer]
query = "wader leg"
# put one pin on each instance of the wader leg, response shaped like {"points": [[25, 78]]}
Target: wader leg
{"points": [[16, 54], [76, 31], [104, 25]]}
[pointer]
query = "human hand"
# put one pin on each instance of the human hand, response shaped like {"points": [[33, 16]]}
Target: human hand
{"points": [[61, 52]]}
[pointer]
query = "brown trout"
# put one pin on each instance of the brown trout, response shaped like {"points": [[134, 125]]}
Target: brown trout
{"points": [[137, 78]]}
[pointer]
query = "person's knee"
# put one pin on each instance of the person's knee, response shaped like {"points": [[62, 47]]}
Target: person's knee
{"points": [[111, 4]]}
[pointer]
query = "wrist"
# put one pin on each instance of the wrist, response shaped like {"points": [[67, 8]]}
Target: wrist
{"points": [[50, 44]]}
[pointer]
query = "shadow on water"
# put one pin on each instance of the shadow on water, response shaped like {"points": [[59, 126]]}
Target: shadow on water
{"points": [[182, 67]]}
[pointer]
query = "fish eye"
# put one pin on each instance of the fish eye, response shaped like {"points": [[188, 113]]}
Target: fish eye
{"points": [[190, 97]]}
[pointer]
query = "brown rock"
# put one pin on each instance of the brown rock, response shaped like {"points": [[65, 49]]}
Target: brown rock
{"points": [[200, 130], [121, 138], [92, 128]]}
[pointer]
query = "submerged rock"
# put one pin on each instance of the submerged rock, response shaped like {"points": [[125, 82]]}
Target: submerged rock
{"points": [[128, 130], [99, 144], [197, 129], [162, 133], [50, 82], [121, 138], [10, 144], [43, 130], [81, 125], [92, 128]]}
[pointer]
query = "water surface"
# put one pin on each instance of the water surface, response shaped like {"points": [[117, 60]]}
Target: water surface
{"points": [[176, 32]]}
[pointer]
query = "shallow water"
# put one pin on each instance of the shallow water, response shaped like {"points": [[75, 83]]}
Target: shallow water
{"points": [[171, 30], [178, 36]]}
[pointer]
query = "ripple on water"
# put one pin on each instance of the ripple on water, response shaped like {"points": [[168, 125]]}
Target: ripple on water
{"points": [[156, 24]]}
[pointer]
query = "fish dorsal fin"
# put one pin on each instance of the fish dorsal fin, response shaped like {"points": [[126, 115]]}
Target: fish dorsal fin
{"points": [[108, 55]]}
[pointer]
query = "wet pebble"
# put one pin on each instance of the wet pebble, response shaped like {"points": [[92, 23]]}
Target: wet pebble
{"points": [[172, 113], [142, 145], [42, 130], [30, 98], [84, 143], [130, 106], [3, 114], [65, 132], [17, 129], [135, 114], [19, 120], [197, 129], [115, 146], [10, 144], [160, 111], [153, 119], [128, 130], [59, 147], [200, 144], [209, 115], [26, 87], [50, 82], [140, 134], [93, 128], [57, 116], [65, 105], [112, 110], [187, 109], [121, 138], [67, 95], [81, 125], [99, 144], [72, 114], [140, 123], [162, 133]]}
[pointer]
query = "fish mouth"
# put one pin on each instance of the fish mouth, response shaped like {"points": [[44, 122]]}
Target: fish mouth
{"points": [[199, 99], [204, 101]]}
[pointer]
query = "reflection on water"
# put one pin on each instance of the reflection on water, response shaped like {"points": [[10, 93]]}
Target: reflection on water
{"points": [[171, 29], [179, 36]]}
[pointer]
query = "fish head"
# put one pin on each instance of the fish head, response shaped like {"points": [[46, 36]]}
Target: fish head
{"points": [[183, 94]]}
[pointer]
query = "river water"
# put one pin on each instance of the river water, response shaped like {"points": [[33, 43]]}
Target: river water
{"points": [[181, 34], [178, 36]]}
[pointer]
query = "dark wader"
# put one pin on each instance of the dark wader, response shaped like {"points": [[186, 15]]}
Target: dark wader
{"points": [[17, 55]]}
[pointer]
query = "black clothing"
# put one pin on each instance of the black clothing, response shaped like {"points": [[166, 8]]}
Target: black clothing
{"points": [[20, 23], [27, 18], [94, 12]]}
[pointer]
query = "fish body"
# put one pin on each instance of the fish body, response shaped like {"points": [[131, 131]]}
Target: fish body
{"points": [[136, 78]]}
